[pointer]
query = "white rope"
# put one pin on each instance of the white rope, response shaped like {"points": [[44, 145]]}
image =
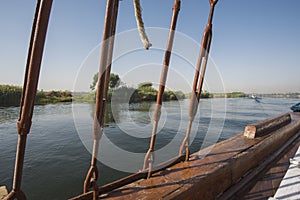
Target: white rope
{"points": [[140, 24]]}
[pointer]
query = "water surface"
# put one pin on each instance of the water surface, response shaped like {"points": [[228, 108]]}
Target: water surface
{"points": [[56, 159]]}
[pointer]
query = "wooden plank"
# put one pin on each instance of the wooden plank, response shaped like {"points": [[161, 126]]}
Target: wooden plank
{"points": [[209, 172], [208, 177], [289, 186], [295, 115], [269, 183], [255, 154], [186, 174], [204, 185], [238, 190], [266, 126], [3, 192]]}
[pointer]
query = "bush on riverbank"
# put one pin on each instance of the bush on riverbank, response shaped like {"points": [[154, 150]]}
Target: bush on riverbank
{"points": [[53, 97], [204, 95], [231, 95], [11, 95], [236, 95], [145, 92]]}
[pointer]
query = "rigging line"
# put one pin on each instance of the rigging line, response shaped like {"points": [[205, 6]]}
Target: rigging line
{"points": [[140, 24], [101, 93], [149, 157], [196, 92], [34, 59]]}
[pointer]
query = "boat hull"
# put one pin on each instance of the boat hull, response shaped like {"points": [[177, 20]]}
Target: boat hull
{"points": [[296, 107]]}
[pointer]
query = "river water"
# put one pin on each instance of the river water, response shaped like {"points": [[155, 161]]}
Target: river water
{"points": [[59, 144]]}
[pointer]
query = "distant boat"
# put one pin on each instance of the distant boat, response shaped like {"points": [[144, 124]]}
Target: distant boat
{"points": [[256, 98], [296, 107]]}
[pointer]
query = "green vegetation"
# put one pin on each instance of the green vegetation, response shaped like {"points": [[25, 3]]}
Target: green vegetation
{"points": [[84, 97], [11, 96], [236, 95], [53, 97], [114, 81], [204, 95], [145, 85], [144, 92], [231, 95]]}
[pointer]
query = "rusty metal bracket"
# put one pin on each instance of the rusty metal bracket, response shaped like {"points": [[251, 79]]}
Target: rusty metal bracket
{"points": [[149, 157], [16, 195], [91, 182], [197, 86], [129, 179], [101, 93], [91, 177], [34, 59]]}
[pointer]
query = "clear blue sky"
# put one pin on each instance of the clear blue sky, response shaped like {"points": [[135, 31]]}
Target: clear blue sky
{"points": [[256, 44]]}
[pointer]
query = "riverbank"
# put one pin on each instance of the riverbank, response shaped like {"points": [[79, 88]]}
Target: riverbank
{"points": [[10, 95], [132, 95]]}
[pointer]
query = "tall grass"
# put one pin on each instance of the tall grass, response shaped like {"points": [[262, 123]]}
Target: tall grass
{"points": [[11, 95]]}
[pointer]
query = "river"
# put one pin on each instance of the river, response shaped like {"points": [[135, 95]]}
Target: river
{"points": [[57, 155]]}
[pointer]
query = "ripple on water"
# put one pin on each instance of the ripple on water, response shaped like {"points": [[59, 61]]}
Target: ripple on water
{"points": [[56, 160]]}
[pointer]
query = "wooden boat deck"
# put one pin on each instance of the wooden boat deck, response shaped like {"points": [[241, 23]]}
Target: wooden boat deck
{"points": [[267, 186], [270, 181], [289, 187], [227, 170]]}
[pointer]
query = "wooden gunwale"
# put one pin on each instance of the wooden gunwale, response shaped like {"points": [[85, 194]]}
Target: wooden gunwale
{"points": [[210, 172]]}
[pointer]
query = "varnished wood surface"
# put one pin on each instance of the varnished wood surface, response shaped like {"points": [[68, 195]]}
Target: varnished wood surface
{"points": [[222, 170], [210, 171], [269, 183]]}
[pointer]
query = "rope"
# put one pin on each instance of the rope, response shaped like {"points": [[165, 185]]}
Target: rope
{"points": [[140, 24]]}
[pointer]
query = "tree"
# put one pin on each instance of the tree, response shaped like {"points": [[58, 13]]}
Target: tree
{"points": [[114, 81], [95, 80], [145, 85]]}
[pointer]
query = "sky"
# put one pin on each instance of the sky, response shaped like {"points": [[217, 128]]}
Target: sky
{"points": [[255, 46]]}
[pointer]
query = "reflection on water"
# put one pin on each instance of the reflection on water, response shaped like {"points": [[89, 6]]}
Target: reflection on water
{"points": [[56, 160], [113, 115], [8, 115]]}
